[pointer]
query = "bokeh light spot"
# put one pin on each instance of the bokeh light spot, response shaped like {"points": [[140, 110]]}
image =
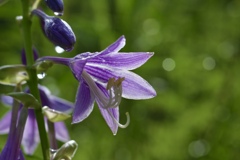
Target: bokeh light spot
{"points": [[198, 148], [209, 63], [168, 64]]}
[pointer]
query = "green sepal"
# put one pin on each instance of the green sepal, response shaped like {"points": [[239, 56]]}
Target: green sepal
{"points": [[66, 151], [53, 115], [28, 100], [13, 74]]}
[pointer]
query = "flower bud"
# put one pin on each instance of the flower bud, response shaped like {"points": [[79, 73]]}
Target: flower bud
{"points": [[56, 6], [24, 58], [56, 30]]}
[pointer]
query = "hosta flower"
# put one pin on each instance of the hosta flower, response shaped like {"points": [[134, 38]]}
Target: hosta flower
{"points": [[56, 30], [105, 77], [31, 136]]}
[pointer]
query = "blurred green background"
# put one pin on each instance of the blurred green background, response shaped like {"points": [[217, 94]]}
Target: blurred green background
{"points": [[195, 71]]}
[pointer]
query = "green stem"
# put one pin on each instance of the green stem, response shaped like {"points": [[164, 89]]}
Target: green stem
{"points": [[32, 83]]}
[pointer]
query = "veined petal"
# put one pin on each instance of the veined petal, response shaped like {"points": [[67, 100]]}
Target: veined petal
{"points": [[77, 67], [30, 136], [5, 123], [84, 103], [114, 47], [126, 61], [61, 132], [60, 104], [134, 86]]}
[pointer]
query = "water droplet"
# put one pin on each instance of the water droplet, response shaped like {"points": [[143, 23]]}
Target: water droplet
{"points": [[59, 49], [19, 18], [168, 64], [58, 13], [41, 75]]}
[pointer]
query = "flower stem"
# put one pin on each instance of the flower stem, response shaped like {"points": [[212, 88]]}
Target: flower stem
{"points": [[32, 83]]}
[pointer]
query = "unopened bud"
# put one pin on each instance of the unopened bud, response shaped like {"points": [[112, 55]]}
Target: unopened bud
{"points": [[56, 6], [56, 30]]}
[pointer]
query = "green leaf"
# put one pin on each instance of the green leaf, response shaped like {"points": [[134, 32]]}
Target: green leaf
{"points": [[53, 115], [66, 151], [4, 89], [28, 100], [13, 74]]}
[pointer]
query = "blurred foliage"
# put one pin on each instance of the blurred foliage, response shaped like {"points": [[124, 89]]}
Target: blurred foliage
{"points": [[196, 114]]}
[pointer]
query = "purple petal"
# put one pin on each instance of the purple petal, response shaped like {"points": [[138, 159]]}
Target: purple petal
{"points": [[60, 104], [7, 100], [77, 66], [30, 135], [61, 132], [21, 156], [114, 48], [53, 101], [5, 123], [134, 86], [84, 103], [115, 112], [127, 61]]}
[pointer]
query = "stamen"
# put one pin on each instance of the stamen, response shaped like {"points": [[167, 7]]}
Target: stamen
{"points": [[114, 88], [116, 121]]}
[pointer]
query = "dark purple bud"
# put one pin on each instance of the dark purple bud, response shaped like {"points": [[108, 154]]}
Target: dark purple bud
{"points": [[57, 30], [56, 6], [23, 56]]}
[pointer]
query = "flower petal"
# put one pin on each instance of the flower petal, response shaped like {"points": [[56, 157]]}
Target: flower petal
{"points": [[61, 132], [30, 136], [134, 86], [5, 123], [60, 104], [126, 61], [7, 100], [77, 66], [115, 112], [84, 103], [21, 156], [113, 48], [54, 102]]}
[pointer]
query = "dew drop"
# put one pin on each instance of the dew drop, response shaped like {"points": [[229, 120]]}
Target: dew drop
{"points": [[19, 18], [41, 75], [59, 49], [58, 13]]}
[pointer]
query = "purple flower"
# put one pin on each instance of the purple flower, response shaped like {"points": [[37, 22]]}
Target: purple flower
{"points": [[11, 150], [56, 30], [31, 136], [105, 77], [55, 6]]}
